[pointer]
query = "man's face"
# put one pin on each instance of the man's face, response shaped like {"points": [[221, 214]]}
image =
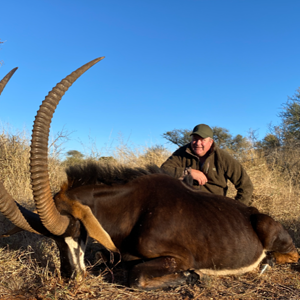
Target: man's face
{"points": [[200, 145]]}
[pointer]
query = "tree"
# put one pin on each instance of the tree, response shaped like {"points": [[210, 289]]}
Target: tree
{"points": [[287, 133], [290, 117], [239, 143], [107, 159], [281, 145], [271, 141], [221, 136], [73, 157], [75, 154], [178, 137]]}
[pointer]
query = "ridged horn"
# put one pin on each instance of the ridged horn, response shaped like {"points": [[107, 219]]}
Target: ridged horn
{"points": [[6, 78], [50, 216], [10, 210]]}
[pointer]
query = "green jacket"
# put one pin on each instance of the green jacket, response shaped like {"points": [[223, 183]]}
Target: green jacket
{"points": [[218, 167]]}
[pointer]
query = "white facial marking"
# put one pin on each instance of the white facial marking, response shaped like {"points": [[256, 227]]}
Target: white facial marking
{"points": [[76, 254]]}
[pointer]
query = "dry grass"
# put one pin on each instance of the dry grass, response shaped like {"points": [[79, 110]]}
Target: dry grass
{"points": [[22, 275], [29, 264], [14, 166], [274, 193]]}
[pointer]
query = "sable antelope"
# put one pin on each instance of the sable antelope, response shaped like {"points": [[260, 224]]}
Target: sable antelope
{"points": [[171, 230]]}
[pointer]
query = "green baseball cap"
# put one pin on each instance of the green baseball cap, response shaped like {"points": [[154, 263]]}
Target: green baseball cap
{"points": [[203, 130]]}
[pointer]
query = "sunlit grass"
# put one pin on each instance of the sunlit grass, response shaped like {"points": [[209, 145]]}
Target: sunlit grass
{"points": [[29, 263]]}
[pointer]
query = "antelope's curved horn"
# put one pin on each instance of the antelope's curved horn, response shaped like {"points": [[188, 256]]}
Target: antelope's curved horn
{"points": [[6, 78], [50, 216], [10, 210]]}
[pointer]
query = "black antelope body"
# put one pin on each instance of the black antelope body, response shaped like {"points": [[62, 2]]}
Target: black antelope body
{"points": [[171, 230]]}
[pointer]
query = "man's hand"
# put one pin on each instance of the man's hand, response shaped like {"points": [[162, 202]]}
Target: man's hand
{"points": [[199, 176]]}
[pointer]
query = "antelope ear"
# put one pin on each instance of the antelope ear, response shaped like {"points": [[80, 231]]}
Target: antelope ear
{"points": [[92, 225]]}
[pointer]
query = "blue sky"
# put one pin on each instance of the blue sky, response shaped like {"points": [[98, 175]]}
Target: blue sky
{"points": [[168, 65]]}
